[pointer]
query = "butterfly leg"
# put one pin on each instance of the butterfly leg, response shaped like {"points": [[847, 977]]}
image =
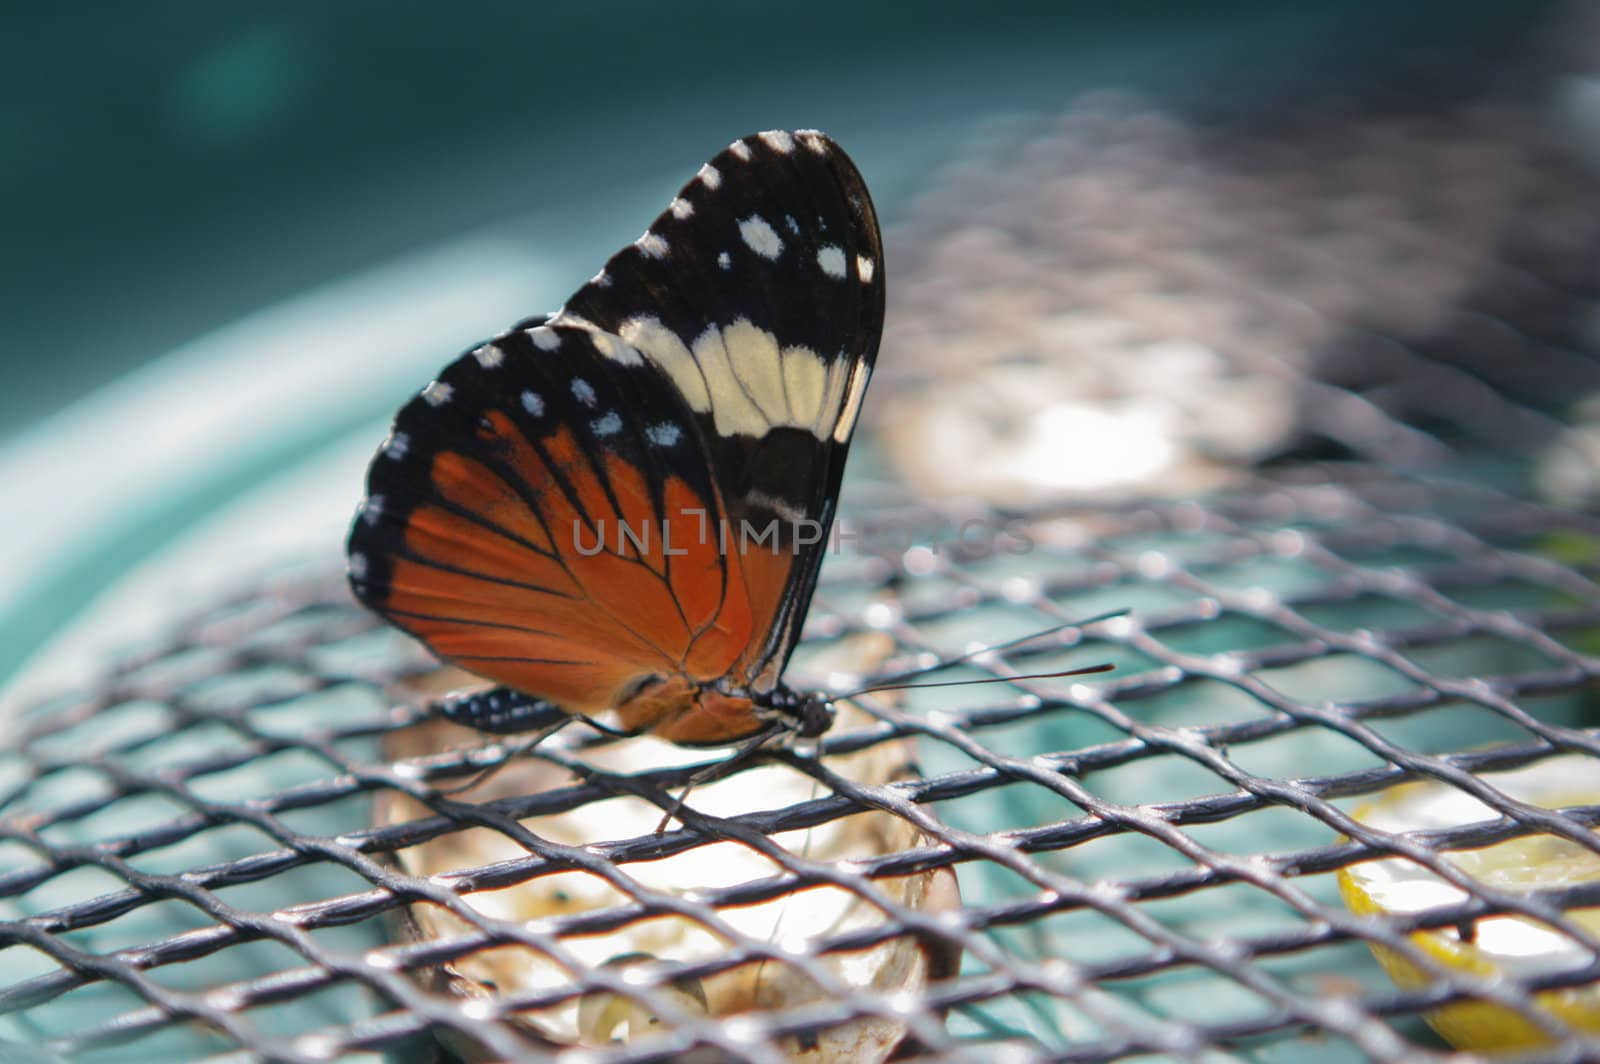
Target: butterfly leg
{"points": [[727, 767], [513, 750], [502, 711]]}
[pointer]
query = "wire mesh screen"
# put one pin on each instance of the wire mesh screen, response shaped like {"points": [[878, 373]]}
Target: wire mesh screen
{"points": [[251, 839], [1145, 860]]}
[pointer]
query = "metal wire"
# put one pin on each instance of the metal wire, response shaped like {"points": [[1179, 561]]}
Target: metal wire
{"points": [[1340, 532]]}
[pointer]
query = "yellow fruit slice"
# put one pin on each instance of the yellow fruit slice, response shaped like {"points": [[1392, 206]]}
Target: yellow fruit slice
{"points": [[1497, 945]]}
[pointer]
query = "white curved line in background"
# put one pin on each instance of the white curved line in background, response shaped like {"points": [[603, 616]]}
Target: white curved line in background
{"points": [[219, 401]]}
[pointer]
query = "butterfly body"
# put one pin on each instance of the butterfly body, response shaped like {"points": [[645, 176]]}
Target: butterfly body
{"points": [[669, 711], [621, 507]]}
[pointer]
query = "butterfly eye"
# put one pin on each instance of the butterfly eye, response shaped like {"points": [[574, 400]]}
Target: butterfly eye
{"points": [[816, 717]]}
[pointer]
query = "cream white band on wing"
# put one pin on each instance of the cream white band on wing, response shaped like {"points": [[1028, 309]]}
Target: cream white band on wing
{"points": [[749, 384]]}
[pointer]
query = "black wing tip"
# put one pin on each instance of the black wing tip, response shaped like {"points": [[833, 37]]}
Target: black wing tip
{"points": [[775, 143], [796, 157], [798, 143]]}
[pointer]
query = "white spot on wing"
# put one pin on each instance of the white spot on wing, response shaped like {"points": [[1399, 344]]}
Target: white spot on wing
{"points": [[544, 338], [533, 403], [778, 140], [741, 151], [805, 382], [667, 350], [601, 280], [836, 382], [725, 260], [489, 356], [583, 391], [758, 366], [831, 258], [372, 510], [734, 412], [615, 349], [663, 435], [358, 565], [852, 403], [652, 246], [761, 237], [782, 507], [608, 424], [682, 209], [813, 140], [709, 176], [396, 445], [865, 268], [437, 393], [794, 226]]}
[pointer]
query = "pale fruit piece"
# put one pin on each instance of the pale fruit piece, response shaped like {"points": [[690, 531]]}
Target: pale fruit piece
{"points": [[795, 921], [1499, 945]]}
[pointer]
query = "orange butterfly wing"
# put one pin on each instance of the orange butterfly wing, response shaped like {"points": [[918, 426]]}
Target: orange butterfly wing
{"points": [[529, 520]]}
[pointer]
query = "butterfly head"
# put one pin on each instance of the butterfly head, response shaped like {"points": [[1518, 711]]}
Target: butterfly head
{"points": [[808, 715]]}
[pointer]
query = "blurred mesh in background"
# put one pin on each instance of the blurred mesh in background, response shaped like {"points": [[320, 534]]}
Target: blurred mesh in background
{"points": [[1306, 386]]}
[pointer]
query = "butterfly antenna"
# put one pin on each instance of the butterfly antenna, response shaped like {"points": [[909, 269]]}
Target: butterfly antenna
{"points": [[893, 683], [1102, 667]]}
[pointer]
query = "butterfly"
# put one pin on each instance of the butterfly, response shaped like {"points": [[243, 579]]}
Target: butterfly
{"points": [[622, 506]]}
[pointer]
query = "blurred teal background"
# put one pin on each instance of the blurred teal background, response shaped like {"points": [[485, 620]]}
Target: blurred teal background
{"points": [[237, 236], [205, 193]]}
